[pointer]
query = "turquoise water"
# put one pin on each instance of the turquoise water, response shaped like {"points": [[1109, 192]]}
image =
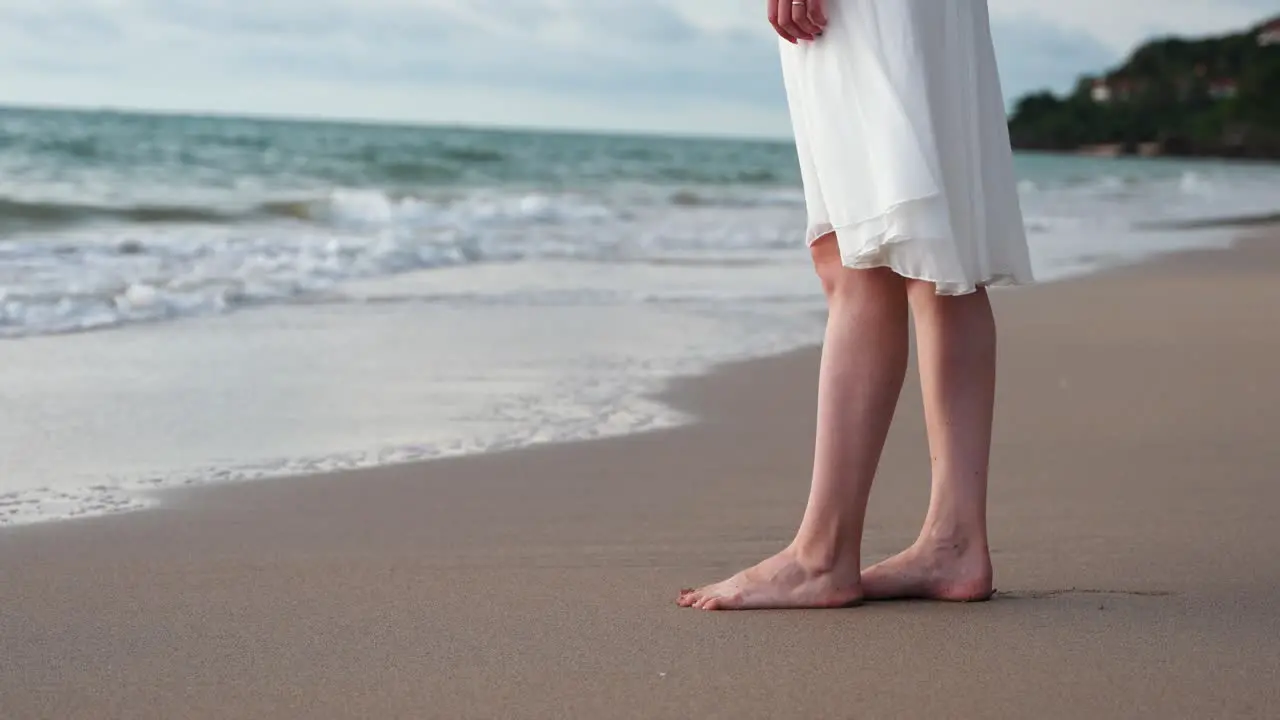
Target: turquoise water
{"points": [[108, 219], [188, 300]]}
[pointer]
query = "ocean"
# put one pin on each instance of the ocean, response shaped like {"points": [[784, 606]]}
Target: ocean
{"points": [[186, 300]]}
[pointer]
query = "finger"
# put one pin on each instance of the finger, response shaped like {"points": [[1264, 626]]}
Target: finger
{"points": [[800, 14], [787, 20], [773, 20], [818, 13], [784, 34]]}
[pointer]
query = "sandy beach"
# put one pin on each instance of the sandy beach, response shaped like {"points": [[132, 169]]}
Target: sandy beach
{"points": [[1134, 520]]}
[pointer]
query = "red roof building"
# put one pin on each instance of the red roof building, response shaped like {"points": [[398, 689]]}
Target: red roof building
{"points": [[1270, 33], [1223, 89]]}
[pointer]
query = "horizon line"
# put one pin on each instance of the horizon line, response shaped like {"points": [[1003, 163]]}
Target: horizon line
{"points": [[402, 123]]}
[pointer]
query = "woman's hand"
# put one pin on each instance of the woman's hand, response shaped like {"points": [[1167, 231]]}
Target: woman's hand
{"points": [[797, 20]]}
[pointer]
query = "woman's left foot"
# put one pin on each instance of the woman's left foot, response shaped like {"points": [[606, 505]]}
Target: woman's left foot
{"points": [[932, 571], [781, 582]]}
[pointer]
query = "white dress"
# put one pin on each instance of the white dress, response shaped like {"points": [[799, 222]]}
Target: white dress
{"points": [[904, 148]]}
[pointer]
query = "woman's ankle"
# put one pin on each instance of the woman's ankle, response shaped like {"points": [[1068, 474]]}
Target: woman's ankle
{"points": [[953, 538]]}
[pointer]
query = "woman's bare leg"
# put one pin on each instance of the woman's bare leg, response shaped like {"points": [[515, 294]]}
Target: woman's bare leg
{"points": [[956, 343], [864, 360]]}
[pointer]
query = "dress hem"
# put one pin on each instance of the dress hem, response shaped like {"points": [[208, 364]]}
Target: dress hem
{"points": [[872, 255]]}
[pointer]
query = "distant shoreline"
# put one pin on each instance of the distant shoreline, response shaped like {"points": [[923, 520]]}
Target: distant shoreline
{"points": [[1150, 150]]}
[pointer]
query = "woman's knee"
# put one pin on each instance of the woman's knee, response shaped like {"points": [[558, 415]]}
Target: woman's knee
{"points": [[827, 263], [840, 281]]}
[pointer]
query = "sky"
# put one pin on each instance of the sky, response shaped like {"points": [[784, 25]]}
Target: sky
{"points": [[672, 66]]}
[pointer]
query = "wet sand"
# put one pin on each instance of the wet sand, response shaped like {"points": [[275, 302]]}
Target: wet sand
{"points": [[1134, 502]]}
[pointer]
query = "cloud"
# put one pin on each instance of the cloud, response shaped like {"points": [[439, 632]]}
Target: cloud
{"points": [[1122, 24], [1034, 54], [636, 64]]}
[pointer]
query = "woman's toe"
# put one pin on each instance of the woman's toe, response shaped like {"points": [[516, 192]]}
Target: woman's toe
{"points": [[693, 596]]}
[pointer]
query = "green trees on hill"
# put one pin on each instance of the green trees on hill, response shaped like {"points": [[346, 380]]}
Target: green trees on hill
{"points": [[1213, 96]]}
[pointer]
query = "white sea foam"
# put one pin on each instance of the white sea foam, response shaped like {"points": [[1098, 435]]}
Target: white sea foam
{"points": [[103, 275], [422, 368], [123, 264]]}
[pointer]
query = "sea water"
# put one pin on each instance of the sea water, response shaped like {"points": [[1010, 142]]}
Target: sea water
{"points": [[196, 299]]}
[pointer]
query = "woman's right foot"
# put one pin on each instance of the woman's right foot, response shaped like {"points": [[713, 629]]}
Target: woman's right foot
{"points": [[932, 571], [782, 582]]}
